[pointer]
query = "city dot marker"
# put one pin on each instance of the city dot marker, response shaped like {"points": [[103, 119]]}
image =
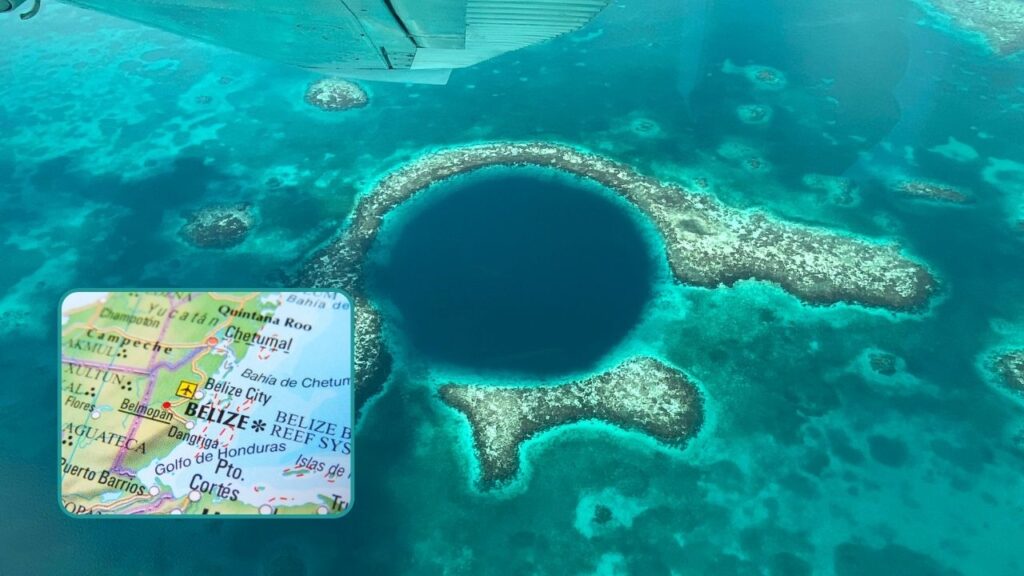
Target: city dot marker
{"points": [[153, 490], [190, 425], [211, 341], [322, 510], [198, 395], [95, 414], [266, 509], [194, 495], [166, 405], [176, 511]]}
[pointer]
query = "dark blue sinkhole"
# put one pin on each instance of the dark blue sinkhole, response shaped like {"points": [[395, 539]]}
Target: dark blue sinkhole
{"points": [[513, 269]]}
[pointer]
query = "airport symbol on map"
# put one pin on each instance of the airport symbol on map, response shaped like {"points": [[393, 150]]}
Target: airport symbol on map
{"points": [[206, 403]]}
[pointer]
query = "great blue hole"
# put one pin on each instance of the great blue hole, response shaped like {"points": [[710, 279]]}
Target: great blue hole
{"points": [[513, 270]]}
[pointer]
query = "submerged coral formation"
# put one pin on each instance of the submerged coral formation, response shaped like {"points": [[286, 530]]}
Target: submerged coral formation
{"points": [[1009, 366], [218, 226], [883, 363], [839, 190], [640, 394], [332, 95], [707, 243], [1007, 176], [934, 191], [754, 114], [1001, 22], [746, 157], [645, 127], [762, 77]]}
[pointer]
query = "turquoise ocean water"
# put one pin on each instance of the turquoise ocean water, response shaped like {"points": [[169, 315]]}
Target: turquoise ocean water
{"points": [[810, 462]]}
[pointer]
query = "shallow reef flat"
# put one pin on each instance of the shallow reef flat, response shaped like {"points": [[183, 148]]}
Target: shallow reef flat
{"points": [[641, 394], [1001, 22], [707, 243]]}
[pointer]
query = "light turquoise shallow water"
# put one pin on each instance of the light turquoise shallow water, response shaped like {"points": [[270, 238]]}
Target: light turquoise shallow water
{"points": [[810, 461]]}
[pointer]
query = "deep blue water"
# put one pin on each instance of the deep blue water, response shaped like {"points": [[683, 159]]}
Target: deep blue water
{"points": [[514, 272]]}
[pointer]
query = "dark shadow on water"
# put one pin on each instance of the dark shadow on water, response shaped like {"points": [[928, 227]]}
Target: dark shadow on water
{"points": [[136, 223]]}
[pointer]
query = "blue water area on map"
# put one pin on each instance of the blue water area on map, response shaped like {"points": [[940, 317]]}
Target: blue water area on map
{"points": [[516, 272]]}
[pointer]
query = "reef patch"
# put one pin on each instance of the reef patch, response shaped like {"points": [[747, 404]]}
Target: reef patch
{"points": [[641, 394], [883, 363], [218, 226], [761, 77], [334, 95], [933, 191], [1009, 367], [1001, 22], [754, 114]]}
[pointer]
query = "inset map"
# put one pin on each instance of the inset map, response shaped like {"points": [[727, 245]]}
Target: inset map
{"points": [[206, 403]]}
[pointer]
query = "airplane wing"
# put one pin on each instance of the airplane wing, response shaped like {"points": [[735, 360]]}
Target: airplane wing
{"points": [[400, 40]]}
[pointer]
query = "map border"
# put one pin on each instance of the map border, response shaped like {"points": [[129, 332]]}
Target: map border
{"points": [[212, 517]]}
